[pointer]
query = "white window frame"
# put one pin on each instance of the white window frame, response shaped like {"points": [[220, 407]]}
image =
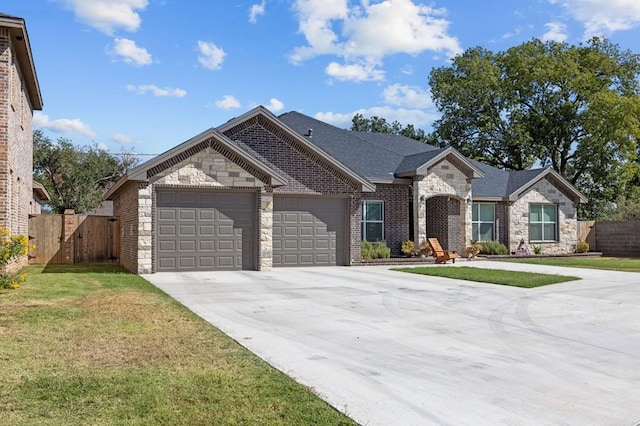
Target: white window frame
{"points": [[364, 221], [479, 222], [542, 222]]}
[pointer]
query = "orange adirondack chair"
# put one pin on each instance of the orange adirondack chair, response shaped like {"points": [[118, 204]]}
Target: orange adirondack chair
{"points": [[441, 255]]}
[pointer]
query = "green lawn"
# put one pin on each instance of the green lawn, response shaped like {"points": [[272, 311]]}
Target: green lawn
{"points": [[610, 263], [95, 345], [492, 276]]}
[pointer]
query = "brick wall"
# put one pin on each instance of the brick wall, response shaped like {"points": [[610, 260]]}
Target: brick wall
{"points": [[304, 171], [396, 213], [16, 142], [125, 208]]}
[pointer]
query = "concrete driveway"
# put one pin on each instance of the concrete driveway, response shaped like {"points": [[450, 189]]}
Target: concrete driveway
{"points": [[388, 348]]}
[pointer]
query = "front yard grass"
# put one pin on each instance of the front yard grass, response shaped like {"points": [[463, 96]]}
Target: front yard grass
{"points": [[609, 263], [95, 345], [492, 276]]}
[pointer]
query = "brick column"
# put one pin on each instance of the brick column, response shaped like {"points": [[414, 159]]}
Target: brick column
{"points": [[68, 230]]}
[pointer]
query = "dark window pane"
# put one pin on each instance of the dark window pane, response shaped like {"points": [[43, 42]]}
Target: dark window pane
{"points": [[535, 232], [374, 231], [486, 232], [486, 212]]}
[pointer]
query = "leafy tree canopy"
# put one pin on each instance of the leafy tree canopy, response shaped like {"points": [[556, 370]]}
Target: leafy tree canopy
{"points": [[75, 177], [380, 125], [574, 108]]}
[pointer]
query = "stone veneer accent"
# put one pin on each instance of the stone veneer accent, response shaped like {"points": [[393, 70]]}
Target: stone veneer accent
{"points": [[135, 205], [208, 168], [544, 192], [443, 178]]}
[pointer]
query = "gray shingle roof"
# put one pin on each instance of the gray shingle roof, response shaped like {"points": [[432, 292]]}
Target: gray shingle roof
{"points": [[383, 156]]}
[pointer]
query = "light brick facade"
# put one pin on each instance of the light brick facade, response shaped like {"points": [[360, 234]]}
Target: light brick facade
{"points": [[448, 180], [18, 90], [544, 192]]}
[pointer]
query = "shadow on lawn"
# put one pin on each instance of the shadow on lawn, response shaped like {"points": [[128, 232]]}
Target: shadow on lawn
{"points": [[82, 269]]}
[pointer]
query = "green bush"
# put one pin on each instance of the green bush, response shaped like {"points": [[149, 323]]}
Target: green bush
{"points": [[381, 250], [493, 247], [366, 250], [582, 247], [378, 250], [408, 248]]}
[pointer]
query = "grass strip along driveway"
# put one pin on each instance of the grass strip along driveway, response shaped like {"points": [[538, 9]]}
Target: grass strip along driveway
{"points": [[608, 263], [96, 345], [492, 276]]}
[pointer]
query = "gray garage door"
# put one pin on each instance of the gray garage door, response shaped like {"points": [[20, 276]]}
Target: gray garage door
{"points": [[309, 231], [204, 230]]}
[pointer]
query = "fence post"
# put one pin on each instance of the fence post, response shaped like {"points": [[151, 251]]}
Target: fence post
{"points": [[69, 241]]}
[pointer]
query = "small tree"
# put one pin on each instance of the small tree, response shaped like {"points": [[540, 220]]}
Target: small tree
{"points": [[76, 177]]}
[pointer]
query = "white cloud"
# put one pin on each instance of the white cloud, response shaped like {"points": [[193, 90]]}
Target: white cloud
{"points": [[108, 15], [211, 56], [102, 147], [407, 96], [130, 53], [556, 31], [275, 105], [62, 125], [227, 102], [157, 91], [368, 31], [121, 138], [603, 17], [420, 119], [256, 10], [354, 72]]}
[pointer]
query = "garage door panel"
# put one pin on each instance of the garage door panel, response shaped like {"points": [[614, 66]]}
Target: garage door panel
{"points": [[168, 245], [167, 214], [205, 230], [187, 245], [167, 230], [309, 231]]}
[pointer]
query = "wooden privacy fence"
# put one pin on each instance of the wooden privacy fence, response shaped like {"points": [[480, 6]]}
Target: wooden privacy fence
{"points": [[74, 238]]}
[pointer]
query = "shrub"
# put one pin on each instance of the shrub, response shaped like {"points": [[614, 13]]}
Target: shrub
{"points": [[474, 249], [408, 248], [11, 247], [366, 250], [378, 250], [425, 248], [381, 250], [537, 249], [493, 247], [582, 247]]}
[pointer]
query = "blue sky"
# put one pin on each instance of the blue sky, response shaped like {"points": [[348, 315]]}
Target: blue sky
{"points": [[146, 75]]}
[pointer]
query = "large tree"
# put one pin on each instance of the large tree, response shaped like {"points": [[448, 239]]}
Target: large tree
{"points": [[75, 177], [574, 108], [377, 124]]}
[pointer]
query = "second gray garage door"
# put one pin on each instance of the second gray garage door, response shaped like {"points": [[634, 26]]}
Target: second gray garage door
{"points": [[204, 230], [309, 231]]}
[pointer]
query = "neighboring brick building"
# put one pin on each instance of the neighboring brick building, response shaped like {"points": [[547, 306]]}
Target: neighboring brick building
{"points": [[262, 191], [19, 97]]}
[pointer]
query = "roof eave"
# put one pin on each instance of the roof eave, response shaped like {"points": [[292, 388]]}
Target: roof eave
{"points": [[139, 173], [423, 169], [20, 41], [577, 195], [41, 191]]}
